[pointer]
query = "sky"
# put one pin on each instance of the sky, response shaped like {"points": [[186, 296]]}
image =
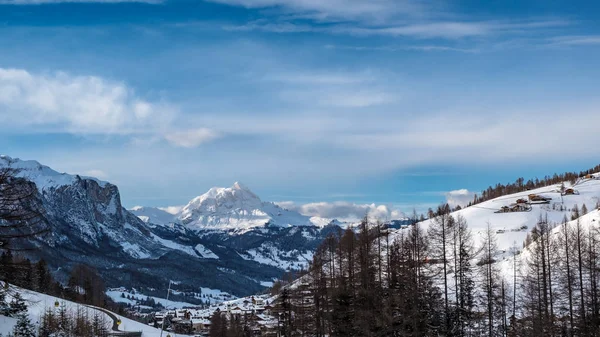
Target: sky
{"points": [[329, 107]]}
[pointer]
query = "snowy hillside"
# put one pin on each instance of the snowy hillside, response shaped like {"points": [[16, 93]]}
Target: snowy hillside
{"points": [[235, 207], [38, 303], [512, 227], [207, 295], [588, 221]]}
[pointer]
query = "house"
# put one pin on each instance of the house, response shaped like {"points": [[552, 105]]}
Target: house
{"points": [[539, 198], [201, 325]]}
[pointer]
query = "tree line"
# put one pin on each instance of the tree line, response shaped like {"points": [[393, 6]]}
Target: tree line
{"points": [[439, 282], [84, 284]]}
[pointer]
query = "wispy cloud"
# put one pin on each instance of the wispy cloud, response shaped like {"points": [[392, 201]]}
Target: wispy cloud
{"points": [[455, 139], [333, 89], [418, 29], [390, 48], [326, 78], [60, 102], [576, 40], [339, 10], [357, 98]]}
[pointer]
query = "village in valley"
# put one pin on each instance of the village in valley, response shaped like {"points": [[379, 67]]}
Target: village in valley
{"points": [[254, 312]]}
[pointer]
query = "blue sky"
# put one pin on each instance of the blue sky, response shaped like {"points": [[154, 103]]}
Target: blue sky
{"points": [[388, 102]]}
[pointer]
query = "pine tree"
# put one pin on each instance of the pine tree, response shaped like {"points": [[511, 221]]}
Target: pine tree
{"points": [[4, 307], [17, 305], [7, 267], [24, 327], [43, 278], [24, 274]]}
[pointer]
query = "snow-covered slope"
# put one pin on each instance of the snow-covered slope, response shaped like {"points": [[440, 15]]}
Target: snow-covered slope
{"points": [[37, 303], [588, 221], [512, 227], [207, 295], [227, 208]]}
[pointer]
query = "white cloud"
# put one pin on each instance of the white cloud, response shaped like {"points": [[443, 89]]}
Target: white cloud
{"points": [[191, 138], [60, 102], [344, 210], [76, 104], [459, 197]]}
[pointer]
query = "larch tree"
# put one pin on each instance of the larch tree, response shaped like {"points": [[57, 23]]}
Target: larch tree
{"points": [[439, 235]]}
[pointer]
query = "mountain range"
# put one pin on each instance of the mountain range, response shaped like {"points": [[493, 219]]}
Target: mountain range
{"points": [[226, 239]]}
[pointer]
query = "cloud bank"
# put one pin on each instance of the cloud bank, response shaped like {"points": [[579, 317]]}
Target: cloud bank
{"points": [[343, 210]]}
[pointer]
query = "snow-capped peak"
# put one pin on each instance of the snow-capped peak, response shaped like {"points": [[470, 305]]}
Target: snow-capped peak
{"points": [[236, 196], [224, 207], [239, 186], [230, 208], [43, 176]]}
